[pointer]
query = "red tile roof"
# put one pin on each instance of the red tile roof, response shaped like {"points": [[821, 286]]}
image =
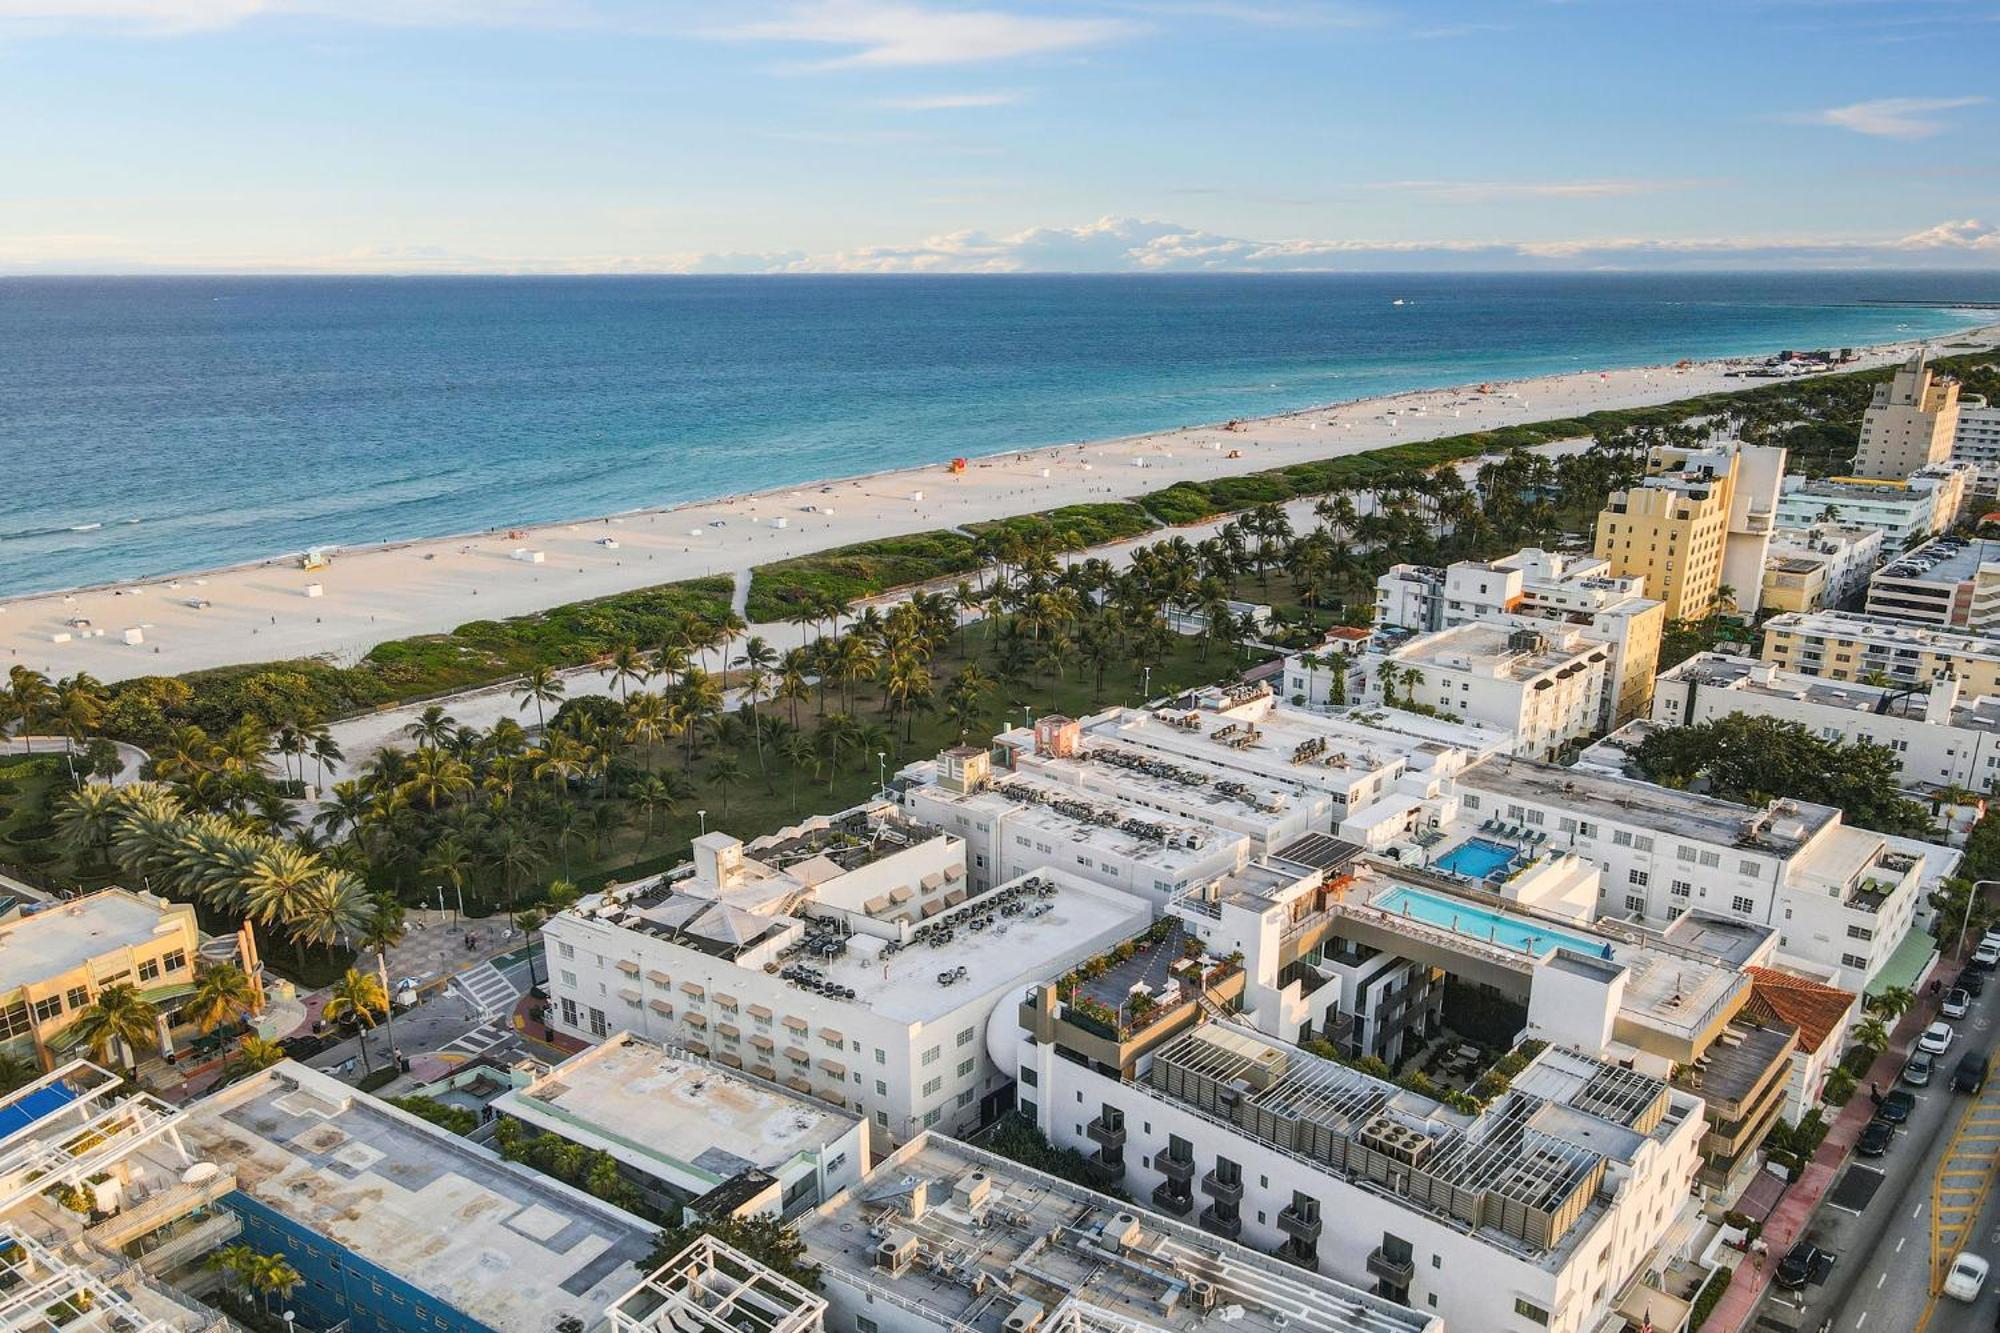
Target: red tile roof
{"points": [[1813, 1007]]}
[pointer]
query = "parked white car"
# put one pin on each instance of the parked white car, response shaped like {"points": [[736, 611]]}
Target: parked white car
{"points": [[1937, 1038]]}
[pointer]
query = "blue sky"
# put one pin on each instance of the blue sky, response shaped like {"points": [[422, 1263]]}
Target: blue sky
{"points": [[599, 135]]}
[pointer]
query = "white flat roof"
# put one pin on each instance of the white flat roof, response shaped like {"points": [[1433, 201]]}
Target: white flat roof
{"points": [[663, 1113], [59, 939]]}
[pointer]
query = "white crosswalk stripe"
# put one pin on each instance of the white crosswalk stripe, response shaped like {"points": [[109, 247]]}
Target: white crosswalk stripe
{"points": [[477, 1041], [488, 989]]}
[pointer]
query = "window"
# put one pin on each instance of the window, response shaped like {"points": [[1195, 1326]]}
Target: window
{"points": [[76, 997], [1535, 817], [173, 960], [1566, 824], [881, 1056], [149, 970], [1711, 859], [965, 1067], [881, 1088], [931, 1056], [1741, 904], [1586, 829], [1530, 1311], [931, 1086], [1469, 801], [566, 949], [965, 1098], [1639, 877], [569, 978], [1635, 903], [598, 1027], [568, 1012], [1860, 933], [863, 1324], [1746, 867], [46, 1009], [1642, 844], [1028, 1076], [932, 1116], [1854, 960], [1680, 888], [965, 1038], [1621, 838], [14, 1020]]}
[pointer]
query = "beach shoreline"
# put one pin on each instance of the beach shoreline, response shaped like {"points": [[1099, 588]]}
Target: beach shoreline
{"points": [[263, 610]]}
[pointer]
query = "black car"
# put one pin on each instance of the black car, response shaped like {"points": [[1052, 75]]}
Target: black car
{"points": [[1875, 1139], [1970, 980], [1804, 1262], [1895, 1107]]}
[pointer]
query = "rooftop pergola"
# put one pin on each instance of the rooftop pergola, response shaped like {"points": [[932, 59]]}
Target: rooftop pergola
{"points": [[72, 1124], [711, 1288]]}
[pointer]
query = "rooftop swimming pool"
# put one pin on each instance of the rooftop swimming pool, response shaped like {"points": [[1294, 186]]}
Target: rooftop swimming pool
{"points": [[1519, 934], [1477, 858]]}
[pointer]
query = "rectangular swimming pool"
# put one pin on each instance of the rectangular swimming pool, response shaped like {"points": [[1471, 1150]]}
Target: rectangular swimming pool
{"points": [[1520, 934], [1476, 858]]}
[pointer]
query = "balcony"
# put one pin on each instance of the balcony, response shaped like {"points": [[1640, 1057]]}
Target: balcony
{"points": [[1222, 1191], [1169, 1200], [185, 1240], [1300, 1253], [1176, 1169], [1227, 1225], [1106, 1134], [1105, 1170], [1298, 1226], [1397, 1271]]}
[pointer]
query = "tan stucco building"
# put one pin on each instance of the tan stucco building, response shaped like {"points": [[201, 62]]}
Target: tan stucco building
{"points": [[1909, 425]]}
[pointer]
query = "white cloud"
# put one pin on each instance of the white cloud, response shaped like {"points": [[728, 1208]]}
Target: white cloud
{"points": [[1466, 192], [883, 33], [1891, 117], [1964, 234], [949, 101]]}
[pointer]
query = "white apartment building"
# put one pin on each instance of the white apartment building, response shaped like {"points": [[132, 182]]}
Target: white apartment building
{"points": [[1909, 423], [1242, 744], [1543, 1212], [1906, 509], [1014, 823], [942, 1237], [1847, 645], [1976, 440], [1546, 685], [1950, 583], [848, 958], [1529, 590], [1825, 565], [1941, 737]]}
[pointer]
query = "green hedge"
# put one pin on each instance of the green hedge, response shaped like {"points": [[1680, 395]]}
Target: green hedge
{"points": [[1709, 1297], [1093, 524], [849, 573], [481, 652]]}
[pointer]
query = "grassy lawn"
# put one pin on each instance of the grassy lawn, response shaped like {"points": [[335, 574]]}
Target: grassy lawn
{"points": [[779, 794]]}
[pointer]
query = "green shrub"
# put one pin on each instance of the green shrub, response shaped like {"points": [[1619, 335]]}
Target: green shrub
{"points": [[454, 1118], [1092, 524], [1709, 1297], [850, 573]]}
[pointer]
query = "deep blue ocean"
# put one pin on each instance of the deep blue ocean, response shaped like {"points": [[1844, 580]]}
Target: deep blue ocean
{"points": [[151, 425]]}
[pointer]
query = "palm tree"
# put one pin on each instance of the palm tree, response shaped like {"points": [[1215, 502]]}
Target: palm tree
{"points": [[540, 686], [381, 932], [118, 1019], [270, 1275], [223, 993], [1872, 1034], [1892, 1002], [356, 998], [801, 753], [433, 727], [87, 818], [254, 1053], [29, 697], [275, 882], [628, 667], [447, 861], [17, 1070], [332, 907], [326, 755], [726, 774]]}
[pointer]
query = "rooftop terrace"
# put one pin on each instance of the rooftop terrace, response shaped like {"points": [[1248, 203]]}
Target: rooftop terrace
{"points": [[964, 1236], [672, 1116], [500, 1243], [1781, 828]]}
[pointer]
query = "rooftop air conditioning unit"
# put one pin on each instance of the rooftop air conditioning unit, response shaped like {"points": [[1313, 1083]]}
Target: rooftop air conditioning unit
{"points": [[971, 1189], [896, 1255], [1122, 1230], [1026, 1318], [1202, 1293]]}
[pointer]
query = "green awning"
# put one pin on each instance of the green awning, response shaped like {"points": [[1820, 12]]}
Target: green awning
{"points": [[1907, 964]]}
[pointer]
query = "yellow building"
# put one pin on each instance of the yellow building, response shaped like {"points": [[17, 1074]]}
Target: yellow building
{"points": [[1699, 521], [1909, 424], [1795, 583], [55, 962], [1845, 645]]}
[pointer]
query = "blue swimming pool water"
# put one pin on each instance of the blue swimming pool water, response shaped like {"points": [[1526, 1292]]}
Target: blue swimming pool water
{"points": [[1476, 858], [1514, 933]]}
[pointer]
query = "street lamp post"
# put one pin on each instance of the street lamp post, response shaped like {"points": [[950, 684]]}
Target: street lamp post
{"points": [[882, 771], [1146, 686], [703, 815], [1971, 897]]}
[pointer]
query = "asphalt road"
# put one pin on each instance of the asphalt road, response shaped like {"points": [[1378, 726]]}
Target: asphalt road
{"points": [[433, 1025], [1880, 1215]]}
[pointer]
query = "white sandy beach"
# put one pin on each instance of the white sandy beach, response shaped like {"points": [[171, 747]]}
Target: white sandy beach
{"points": [[263, 612]]}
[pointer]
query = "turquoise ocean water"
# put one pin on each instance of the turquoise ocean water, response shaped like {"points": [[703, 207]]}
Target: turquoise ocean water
{"points": [[150, 425]]}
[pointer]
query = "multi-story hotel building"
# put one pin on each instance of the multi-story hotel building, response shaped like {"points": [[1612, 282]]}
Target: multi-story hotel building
{"points": [[1543, 683], [1822, 566], [850, 958], [1906, 510], [1698, 522], [1976, 440], [1847, 645], [1909, 423], [1950, 583]]}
